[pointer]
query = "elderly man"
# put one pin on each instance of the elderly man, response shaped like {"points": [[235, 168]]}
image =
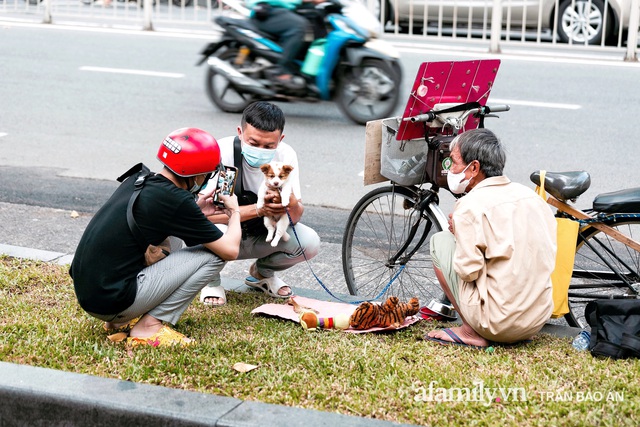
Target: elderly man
{"points": [[495, 262]]}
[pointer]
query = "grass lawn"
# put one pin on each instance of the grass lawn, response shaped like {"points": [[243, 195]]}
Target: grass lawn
{"points": [[395, 376]]}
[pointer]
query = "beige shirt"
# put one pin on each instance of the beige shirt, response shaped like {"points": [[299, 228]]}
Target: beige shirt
{"points": [[505, 253]]}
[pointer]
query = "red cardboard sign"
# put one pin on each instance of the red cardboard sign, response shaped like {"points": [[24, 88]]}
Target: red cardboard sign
{"points": [[447, 82]]}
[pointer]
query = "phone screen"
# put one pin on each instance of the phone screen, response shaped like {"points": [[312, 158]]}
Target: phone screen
{"points": [[225, 184]]}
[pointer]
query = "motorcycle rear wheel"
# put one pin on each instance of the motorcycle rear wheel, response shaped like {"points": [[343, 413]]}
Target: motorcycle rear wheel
{"points": [[369, 91], [220, 90]]}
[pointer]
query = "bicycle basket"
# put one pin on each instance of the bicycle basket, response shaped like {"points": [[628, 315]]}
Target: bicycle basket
{"points": [[414, 161], [403, 162]]}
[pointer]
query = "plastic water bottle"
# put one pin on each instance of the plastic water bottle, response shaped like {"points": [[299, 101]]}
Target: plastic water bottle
{"points": [[408, 165], [581, 341]]}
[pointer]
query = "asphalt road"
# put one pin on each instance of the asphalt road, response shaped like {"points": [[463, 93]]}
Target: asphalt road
{"points": [[74, 116]]}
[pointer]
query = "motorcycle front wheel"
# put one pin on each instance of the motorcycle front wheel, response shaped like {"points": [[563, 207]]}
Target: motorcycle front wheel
{"points": [[369, 91], [221, 91]]}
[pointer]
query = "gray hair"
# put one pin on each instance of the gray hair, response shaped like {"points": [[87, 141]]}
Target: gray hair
{"points": [[481, 145]]}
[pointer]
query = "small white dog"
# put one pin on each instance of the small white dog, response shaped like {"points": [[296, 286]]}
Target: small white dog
{"points": [[276, 179]]}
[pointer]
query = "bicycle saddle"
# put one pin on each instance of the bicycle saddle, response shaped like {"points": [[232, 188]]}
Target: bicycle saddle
{"points": [[564, 185], [623, 201]]}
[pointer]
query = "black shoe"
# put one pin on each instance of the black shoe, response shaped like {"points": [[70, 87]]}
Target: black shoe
{"points": [[290, 82]]}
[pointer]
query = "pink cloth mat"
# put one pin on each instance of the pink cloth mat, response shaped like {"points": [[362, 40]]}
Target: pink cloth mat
{"points": [[325, 309]]}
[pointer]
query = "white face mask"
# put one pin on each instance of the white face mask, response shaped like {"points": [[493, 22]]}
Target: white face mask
{"points": [[456, 182]]}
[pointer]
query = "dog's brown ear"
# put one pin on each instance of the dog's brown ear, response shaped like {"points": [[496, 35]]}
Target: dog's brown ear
{"points": [[265, 168], [287, 168]]}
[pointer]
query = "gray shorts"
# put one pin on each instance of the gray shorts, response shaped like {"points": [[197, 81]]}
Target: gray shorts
{"points": [[443, 247]]}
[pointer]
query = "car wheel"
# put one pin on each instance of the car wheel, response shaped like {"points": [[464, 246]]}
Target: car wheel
{"points": [[582, 21], [388, 11]]}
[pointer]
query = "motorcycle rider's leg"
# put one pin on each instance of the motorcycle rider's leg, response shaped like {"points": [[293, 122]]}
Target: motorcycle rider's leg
{"points": [[290, 28]]}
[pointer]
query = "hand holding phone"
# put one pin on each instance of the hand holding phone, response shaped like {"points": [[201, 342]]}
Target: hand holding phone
{"points": [[225, 184]]}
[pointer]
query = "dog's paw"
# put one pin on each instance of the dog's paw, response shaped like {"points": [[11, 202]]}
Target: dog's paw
{"points": [[285, 237]]}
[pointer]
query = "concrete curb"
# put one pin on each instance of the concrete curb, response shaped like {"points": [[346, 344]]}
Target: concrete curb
{"points": [[38, 396], [36, 254]]}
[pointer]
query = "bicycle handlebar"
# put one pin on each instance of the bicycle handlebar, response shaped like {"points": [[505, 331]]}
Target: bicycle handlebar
{"points": [[427, 117], [484, 111], [496, 108]]}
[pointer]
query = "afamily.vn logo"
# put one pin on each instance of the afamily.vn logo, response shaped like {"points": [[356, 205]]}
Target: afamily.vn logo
{"points": [[477, 393]]}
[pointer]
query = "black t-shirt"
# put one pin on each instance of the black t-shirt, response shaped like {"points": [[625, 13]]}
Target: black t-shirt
{"points": [[109, 258]]}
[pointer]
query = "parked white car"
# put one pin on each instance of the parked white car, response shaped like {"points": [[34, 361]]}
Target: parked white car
{"points": [[578, 21]]}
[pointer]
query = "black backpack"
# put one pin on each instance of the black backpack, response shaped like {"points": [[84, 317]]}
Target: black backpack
{"points": [[615, 327]]}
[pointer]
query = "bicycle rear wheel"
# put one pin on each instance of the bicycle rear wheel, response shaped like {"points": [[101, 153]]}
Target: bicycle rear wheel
{"points": [[377, 229], [602, 269]]}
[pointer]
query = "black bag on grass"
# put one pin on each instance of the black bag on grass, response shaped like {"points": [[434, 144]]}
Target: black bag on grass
{"points": [[615, 328]]}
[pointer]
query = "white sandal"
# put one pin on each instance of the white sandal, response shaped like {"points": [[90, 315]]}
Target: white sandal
{"points": [[269, 285], [213, 292]]}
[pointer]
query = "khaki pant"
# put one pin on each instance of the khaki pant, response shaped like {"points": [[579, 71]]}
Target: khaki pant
{"points": [[443, 247]]}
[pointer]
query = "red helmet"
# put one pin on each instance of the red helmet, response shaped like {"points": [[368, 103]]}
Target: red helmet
{"points": [[189, 152]]}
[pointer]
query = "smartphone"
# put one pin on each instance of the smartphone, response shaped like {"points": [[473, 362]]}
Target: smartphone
{"points": [[226, 183]]}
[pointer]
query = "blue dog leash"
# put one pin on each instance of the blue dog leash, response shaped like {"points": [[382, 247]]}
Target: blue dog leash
{"points": [[322, 284]]}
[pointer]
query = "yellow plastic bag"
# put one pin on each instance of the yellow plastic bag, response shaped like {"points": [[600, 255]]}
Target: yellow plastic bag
{"points": [[567, 235]]}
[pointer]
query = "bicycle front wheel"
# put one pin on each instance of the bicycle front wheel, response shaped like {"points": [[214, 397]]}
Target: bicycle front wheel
{"points": [[603, 268], [378, 241]]}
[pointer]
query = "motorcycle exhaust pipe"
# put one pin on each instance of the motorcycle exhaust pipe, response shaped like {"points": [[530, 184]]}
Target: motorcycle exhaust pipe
{"points": [[238, 79]]}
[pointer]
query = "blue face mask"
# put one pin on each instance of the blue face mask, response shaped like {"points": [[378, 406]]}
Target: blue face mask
{"points": [[195, 189], [255, 156]]}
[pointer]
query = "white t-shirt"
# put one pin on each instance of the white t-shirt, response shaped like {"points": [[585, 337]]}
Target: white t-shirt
{"points": [[253, 177]]}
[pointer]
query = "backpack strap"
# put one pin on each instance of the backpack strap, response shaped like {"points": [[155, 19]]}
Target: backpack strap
{"points": [[253, 226], [245, 197], [143, 173], [134, 170], [237, 161]]}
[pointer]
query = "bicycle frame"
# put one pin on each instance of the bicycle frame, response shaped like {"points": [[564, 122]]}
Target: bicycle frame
{"points": [[577, 215], [428, 202]]}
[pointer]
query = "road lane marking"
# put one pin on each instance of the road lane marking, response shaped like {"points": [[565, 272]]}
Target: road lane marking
{"points": [[548, 56], [535, 104], [3, 134], [129, 71]]}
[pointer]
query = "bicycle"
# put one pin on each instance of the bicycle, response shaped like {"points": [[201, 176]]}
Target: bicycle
{"points": [[389, 229], [607, 259]]}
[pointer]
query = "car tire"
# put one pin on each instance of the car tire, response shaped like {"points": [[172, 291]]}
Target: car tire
{"points": [[389, 16], [583, 22], [389, 12]]}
